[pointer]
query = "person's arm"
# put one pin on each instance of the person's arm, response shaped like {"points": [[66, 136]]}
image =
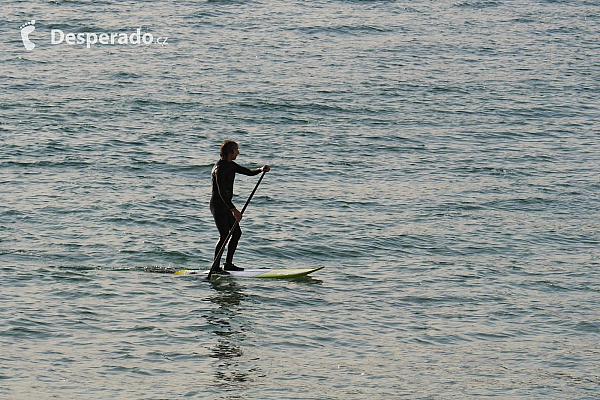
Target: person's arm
{"points": [[251, 172]]}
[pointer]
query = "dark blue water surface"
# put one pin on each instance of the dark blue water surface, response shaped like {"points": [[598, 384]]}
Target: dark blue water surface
{"points": [[439, 158]]}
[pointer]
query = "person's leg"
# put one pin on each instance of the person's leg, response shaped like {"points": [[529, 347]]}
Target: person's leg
{"points": [[222, 222], [233, 242]]}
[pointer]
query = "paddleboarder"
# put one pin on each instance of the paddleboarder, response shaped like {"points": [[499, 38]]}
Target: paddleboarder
{"points": [[221, 206]]}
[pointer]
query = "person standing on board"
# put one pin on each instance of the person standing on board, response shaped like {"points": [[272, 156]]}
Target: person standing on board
{"points": [[221, 206]]}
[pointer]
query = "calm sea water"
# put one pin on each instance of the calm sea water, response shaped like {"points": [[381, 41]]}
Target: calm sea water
{"points": [[439, 158]]}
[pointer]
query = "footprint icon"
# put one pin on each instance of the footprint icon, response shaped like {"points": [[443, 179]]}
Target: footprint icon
{"points": [[26, 29]]}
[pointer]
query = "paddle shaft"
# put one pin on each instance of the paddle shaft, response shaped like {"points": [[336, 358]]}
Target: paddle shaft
{"points": [[217, 259]]}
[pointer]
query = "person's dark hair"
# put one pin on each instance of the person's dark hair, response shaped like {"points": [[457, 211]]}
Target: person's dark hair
{"points": [[227, 148]]}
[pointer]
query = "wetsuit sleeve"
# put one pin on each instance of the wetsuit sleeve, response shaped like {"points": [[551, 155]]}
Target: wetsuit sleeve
{"points": [[225, 192], [245, 171]]}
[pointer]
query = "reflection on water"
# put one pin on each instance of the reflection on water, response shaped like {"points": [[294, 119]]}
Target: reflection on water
{"points": [[230, 321], [230, 324]]}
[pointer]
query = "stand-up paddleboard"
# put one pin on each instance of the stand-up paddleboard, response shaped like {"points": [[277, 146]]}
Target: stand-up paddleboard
{"points": [[255, 273]]}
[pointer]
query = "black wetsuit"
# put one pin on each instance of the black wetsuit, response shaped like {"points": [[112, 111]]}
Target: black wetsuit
{"points": [[223, 175]]}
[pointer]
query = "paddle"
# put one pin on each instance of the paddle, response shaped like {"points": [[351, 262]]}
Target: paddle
{"points": [[217, 259]]}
